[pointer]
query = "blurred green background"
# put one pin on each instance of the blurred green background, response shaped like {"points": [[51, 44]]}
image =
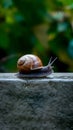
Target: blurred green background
{"points": [[41, 27]]}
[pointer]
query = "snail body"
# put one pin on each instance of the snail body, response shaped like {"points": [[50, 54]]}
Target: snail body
{"points": [[31, 66]]}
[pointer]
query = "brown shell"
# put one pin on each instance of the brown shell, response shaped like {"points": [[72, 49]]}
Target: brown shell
{"points": [[28, 63]]}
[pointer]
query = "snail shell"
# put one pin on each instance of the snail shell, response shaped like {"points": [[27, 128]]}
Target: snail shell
{"points": [[29, 62], [30, 66]]}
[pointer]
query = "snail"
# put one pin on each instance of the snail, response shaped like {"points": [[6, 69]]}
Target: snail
{"points": [[31, 66]]}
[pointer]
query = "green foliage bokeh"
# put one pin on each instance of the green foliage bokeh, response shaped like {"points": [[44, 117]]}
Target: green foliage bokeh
{"points": [[41, 27]]}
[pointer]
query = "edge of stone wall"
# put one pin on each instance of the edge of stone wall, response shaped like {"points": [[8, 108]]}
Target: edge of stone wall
{"points": [[36, 104]]}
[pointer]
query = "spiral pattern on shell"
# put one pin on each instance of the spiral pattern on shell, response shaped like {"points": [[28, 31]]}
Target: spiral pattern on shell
{"points": [[28, 62]]}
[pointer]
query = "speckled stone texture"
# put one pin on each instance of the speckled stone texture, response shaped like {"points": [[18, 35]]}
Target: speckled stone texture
{"points": [[36, 104]]}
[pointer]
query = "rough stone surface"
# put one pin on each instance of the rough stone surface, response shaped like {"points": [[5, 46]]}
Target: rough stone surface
{"points": [[36, 104]]}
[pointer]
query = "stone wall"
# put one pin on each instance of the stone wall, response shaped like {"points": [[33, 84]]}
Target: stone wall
{"points": [[36, 104]]}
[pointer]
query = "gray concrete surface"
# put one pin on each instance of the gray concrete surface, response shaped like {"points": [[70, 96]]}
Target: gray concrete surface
{"points": [[36, 104]]}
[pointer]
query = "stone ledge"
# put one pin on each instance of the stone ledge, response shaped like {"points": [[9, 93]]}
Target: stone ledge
{"points": [[36, 104]]}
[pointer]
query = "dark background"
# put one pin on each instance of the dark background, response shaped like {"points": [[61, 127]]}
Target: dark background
{"points": [[41, 27]]}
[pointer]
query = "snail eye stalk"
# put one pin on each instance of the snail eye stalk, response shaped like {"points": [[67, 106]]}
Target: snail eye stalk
{"points": [[51, 62]]}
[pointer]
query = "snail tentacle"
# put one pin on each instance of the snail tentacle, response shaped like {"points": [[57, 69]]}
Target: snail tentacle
{"points": [[51, 62]]}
